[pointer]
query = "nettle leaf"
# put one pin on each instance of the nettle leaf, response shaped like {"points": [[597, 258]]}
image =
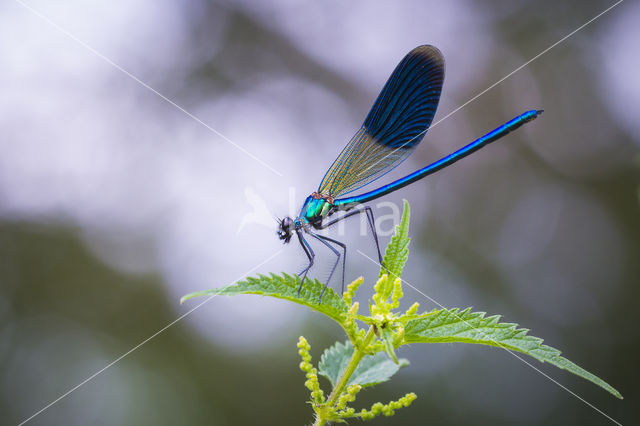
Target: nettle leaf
{"points": [[387, 338], [284, 287], [397, 252], [453, 325], [373, 369]]}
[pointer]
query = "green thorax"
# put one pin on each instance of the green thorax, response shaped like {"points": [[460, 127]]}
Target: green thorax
{"points": [[315, 209]]}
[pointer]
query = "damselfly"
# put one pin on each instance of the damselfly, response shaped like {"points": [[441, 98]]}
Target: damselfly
{"points": [[397, 122]]}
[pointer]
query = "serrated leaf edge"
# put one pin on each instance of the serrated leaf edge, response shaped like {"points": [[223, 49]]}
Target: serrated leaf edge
{"points": [[516, 339]]}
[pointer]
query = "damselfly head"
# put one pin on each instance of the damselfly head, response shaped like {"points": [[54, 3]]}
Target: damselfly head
{"points": [[285, 229]]}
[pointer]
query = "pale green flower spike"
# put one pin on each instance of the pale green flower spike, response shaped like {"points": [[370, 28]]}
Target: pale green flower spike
{"points": [[317, 395], [413, 309], [351, 290], [387, 409], [368, 356], [348, 396]]}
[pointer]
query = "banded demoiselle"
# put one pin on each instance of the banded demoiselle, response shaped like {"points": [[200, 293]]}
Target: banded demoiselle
{"points": [[397, 122]]}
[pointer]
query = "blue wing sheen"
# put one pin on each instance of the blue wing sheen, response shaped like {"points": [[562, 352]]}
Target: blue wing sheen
{"points": [[394, 127]]}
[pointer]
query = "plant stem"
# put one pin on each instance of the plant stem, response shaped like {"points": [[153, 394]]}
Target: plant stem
{"points": [[344, 378]]}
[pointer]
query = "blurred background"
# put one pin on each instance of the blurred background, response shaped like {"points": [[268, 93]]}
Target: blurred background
{"points": [[114, 203]]}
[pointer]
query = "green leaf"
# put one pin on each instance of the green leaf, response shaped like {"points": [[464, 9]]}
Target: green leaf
{"points": [[397, 252], [387, 338], [284, 287], [373, 369], [453, 325]]}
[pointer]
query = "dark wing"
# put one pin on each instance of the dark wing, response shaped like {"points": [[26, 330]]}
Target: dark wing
{"points": [[395, 125]]}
